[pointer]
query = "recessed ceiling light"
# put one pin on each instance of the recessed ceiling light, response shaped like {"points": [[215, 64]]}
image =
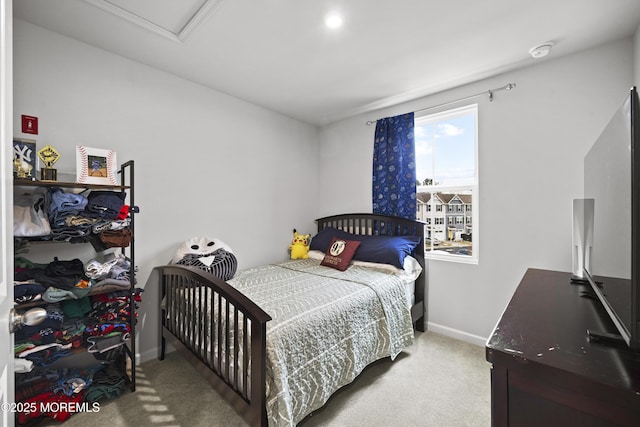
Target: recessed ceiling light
{"points": [[333, 21], [540, 50]]}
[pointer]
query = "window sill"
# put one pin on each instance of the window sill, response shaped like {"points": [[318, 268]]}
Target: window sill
{"points": [[462, 259]]}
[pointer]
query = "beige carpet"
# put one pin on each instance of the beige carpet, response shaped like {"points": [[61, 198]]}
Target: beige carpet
{"points": [[438, 381]]}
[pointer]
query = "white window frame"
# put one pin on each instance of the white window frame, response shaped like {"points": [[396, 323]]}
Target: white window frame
{"points": [[473, 187]]}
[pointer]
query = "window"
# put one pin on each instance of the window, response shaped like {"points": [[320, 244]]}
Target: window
{"points": [[447, 174]]}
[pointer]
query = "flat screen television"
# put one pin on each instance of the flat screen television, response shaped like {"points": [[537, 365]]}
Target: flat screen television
{"points": [[612, 182]]}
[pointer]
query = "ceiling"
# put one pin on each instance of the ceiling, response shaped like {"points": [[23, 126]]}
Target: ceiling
{"points": [[280, 55]]}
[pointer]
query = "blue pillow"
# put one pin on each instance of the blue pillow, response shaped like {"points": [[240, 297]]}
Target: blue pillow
{"points": [[381, 249], [322, 240]]}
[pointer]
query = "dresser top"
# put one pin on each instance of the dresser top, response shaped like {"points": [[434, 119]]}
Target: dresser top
{"points": [[546, 323]]}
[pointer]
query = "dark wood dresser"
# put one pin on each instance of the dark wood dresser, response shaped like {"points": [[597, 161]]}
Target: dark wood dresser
{"points": [[545, 370]]}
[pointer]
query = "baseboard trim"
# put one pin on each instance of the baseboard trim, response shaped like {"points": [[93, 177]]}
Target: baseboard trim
{"points": [[152, 354], [457, 334], [147, 355], [432, 327]]}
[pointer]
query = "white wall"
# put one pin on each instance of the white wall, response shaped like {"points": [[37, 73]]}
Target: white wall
{"points": [[206, 163], [532, 143], [636, 57]]}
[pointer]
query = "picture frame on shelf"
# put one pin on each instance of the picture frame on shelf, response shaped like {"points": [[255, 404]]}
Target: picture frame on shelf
{"points": [[96, 166], [24, 158]]}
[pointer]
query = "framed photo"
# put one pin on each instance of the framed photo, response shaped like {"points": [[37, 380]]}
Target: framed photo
{"points": [[24, 158], [96, 166]]}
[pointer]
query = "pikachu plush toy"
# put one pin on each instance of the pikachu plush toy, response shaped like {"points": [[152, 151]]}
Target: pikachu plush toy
{"points": [[300, 246]]}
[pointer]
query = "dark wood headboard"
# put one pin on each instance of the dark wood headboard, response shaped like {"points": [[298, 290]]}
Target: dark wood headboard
{"points": [[377, 225]]}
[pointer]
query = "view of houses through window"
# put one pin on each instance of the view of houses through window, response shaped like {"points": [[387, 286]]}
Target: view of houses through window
{"points": [[447, 182]]}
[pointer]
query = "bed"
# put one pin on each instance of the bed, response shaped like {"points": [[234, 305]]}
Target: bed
{"points": [[277, 341]]}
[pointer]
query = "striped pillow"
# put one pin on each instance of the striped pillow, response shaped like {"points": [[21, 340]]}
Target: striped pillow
{"points": [[223, 266]]}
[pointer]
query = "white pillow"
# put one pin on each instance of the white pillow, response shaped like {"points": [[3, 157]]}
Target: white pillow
{"points": [[412, 267], [409, 273], [319, 255]]}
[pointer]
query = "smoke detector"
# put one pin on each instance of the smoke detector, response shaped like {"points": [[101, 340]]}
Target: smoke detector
{"points": [[540, 50]]}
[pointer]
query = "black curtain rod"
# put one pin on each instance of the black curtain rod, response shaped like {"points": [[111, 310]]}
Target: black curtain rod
{"points": [[489, 92]]}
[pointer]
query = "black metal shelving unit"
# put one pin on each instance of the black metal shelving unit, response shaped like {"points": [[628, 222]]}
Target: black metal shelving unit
{"points": [[126, 174]]}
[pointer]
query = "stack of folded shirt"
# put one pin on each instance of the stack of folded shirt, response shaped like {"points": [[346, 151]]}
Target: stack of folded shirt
{"points": [[53, 282], [77, 218], [59, 274], [104, 204], [110, 308], [108, 383], [37, 382], [27, 291], [109, 271], [108, 324], [62, 205], [45, 354]]}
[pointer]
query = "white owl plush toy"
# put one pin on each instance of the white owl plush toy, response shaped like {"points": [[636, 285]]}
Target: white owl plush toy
{"points": [[212, 255]]}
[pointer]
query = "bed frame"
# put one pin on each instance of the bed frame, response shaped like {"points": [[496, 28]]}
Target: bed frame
{"points": [[245, 324]]}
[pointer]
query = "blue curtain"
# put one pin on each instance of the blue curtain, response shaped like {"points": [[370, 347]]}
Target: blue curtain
{"points": [[394, 168]]}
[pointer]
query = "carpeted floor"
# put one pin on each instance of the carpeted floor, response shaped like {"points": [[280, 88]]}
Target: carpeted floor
{"points": [[438, 381]]}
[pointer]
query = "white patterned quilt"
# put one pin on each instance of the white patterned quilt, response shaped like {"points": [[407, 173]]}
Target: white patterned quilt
{"points": [[327, 327]]}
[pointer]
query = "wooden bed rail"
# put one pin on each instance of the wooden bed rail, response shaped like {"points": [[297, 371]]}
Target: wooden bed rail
{"points": [[220, 331]]}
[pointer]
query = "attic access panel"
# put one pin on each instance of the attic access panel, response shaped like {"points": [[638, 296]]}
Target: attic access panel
{"points": [[169, 18]]}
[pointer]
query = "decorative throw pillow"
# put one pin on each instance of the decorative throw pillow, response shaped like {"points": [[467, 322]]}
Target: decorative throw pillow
{"points": [[211, 255], [223, 264], [340, 253]]}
